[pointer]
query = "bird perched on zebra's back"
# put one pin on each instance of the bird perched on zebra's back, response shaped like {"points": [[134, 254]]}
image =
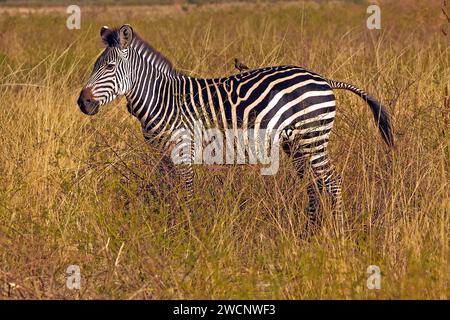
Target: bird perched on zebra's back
{"points": [[239, 65]]}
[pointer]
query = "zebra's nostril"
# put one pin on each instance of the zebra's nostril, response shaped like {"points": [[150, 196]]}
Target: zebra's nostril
{"points": [[80, 102]]}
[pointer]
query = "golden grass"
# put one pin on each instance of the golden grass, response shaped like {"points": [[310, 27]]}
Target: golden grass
{"points": [[71, 186]]}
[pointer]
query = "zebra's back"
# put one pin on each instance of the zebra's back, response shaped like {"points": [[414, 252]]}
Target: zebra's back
{"points": [[273, 98]]}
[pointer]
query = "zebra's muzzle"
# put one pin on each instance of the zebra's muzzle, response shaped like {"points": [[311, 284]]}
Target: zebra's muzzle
{"points": [[87, 103]]}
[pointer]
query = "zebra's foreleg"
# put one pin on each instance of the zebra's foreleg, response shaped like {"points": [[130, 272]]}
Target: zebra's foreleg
{"points": [[178, 174], [167, 169], [186, 173]]}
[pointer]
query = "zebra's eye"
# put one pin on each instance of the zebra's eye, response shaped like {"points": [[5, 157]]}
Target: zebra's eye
{"points": [[110, 66]]}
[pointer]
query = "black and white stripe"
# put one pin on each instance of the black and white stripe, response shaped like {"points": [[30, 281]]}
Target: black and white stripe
{"points": [[295, 104]]}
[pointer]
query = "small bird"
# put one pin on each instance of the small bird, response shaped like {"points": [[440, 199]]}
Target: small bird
{"points": [[239, 65]]}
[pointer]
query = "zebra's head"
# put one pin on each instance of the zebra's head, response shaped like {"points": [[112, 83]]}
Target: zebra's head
{"points": [[111, 76]]}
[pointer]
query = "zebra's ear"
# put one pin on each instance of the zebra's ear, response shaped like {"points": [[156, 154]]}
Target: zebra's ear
{"points": [[104, 34], [125, 36], [102, 31]]}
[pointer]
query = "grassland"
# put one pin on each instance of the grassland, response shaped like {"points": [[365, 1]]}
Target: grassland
{"points": [[71, 186]]}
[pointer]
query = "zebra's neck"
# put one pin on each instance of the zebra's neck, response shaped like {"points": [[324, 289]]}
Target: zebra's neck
{"points": [[154, 82], [163, 99]]}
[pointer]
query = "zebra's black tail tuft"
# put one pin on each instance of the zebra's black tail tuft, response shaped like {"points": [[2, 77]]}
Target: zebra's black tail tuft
{"points": [[380, 114]]}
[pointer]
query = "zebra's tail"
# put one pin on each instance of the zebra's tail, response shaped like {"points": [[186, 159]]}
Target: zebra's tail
{"points": [[380, 114]]}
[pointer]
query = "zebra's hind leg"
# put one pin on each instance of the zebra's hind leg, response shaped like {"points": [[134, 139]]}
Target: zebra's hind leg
{"points": [[300, 162], [315, 217], [327, 178]]}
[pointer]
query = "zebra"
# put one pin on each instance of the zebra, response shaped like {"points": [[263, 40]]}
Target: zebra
{"points": [[295, 102]]}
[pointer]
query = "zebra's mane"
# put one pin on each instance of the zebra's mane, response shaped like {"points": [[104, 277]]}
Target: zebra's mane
{"points": [[111, 39]]}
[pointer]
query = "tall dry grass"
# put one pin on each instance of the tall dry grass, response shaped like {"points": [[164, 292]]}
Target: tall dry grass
{"points": [[71, 186]]}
